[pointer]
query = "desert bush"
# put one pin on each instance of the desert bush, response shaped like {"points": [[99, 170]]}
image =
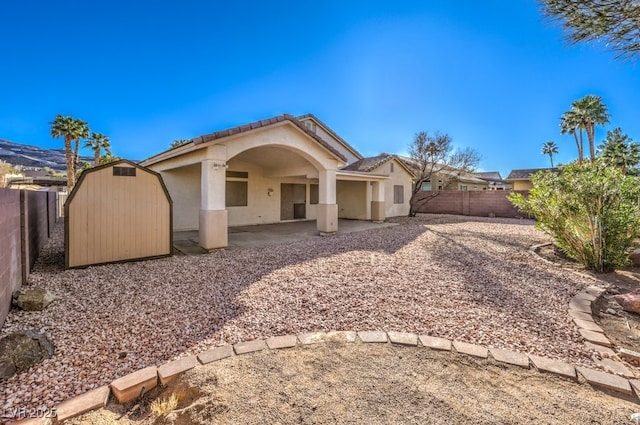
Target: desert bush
{"points": [[591, 210]]}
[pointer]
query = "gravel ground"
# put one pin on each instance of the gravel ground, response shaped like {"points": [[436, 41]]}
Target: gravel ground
{"points": [[471, 279], [369, 384]]}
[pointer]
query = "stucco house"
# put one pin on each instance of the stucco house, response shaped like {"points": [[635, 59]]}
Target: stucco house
{"points": [[397, 188], [521, 179], [275, 170]]}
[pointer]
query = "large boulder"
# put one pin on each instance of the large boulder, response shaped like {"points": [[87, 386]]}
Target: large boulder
{"points": [[635, 257], [630, 301], [21, 350], [32, 299]]}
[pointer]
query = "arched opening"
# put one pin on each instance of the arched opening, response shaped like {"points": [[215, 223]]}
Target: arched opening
{"points": [[271, 184]]}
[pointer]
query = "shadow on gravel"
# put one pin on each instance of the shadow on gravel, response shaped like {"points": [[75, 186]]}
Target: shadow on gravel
{"points": [[113, 319], [510, 284]]}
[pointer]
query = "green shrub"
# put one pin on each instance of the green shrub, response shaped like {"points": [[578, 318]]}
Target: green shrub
{"points": [[590, 209]]}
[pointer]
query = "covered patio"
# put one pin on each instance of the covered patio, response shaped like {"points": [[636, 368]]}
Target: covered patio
{"points": [[187, 242]]}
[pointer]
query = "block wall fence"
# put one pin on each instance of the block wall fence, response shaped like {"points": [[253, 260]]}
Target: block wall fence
{"points": [[472, 203], [26, 222]]}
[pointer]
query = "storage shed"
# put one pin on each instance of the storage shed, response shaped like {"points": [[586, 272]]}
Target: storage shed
{"points": [[117, 212]]}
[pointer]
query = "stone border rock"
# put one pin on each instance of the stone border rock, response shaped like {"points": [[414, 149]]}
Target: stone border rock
{"points": [[581, 312], [141, 381]]}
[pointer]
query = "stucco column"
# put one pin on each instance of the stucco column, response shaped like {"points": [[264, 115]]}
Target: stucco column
{"points": [[213, 213], [327, 210], [377, 202]]}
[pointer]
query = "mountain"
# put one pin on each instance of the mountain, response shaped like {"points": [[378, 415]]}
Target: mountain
{"points": [[34, 156]]}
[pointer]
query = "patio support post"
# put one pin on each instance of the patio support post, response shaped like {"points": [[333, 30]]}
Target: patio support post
{"points": [[213, 213], [327, 210], [377, 202]]}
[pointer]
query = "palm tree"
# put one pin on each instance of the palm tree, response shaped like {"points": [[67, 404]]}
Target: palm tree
{"points": [[97, 142], [550, 148], [570, 123], [72, 130], [591, 112]]}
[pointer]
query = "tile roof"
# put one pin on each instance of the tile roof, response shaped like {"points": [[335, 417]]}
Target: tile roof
{"points": [[333, 133], [368, 164], [525, 174], [266, 123]]}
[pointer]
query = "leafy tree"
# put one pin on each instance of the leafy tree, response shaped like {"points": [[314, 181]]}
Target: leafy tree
{"points": [[620, 151], [614, 22], [97, 142], [590, 209], [71, 130], [179, 142], [550, 148], [584, 115], [433, 157]]}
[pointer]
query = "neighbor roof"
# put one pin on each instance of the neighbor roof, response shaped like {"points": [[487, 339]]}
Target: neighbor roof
{"points": [[525, 174], [489, 175]]}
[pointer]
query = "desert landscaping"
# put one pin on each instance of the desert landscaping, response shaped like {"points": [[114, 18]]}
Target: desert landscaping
{"points": [[464, 278]]}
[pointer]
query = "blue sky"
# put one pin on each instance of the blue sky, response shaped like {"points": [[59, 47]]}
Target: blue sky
{"points": [[493, 74]]}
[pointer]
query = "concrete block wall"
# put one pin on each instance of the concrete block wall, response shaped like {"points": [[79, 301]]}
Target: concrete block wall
{"points": [[25, 226], [471, 203], [10, 248]]}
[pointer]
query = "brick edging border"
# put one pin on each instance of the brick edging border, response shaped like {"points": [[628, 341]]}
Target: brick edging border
{"points": [[133, 385], [580, 310]]}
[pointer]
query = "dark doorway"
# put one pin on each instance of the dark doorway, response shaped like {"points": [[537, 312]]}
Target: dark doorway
{"points": [[293, 200]]}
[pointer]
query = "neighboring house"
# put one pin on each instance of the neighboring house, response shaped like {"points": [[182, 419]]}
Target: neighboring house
{"points": [[494, 180], [521, 179], [270, 171], [447, 178], [397, 187]]}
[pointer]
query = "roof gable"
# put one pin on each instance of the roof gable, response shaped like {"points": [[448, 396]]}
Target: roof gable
{"points": [[331, 133], [284, 118], [369, 164]]}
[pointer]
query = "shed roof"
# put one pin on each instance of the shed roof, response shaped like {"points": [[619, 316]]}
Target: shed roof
{"points": [[91, 170]]}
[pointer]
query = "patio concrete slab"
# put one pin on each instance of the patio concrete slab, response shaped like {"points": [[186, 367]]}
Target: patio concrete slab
{"points": [[187, 242]]}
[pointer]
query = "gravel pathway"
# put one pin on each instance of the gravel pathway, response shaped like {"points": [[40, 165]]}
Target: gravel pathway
{"points": [[471, 279]]}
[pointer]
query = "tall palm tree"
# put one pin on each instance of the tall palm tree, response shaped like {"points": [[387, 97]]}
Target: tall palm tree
{"points": [[72, 130], [591, 112], [570, 124], [550, 148], [97, 142]]}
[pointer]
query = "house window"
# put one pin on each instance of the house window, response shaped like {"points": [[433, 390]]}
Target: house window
{"points": [[398, 194], [463, 187], [426, 186], [439, 187], [237, 189], [124, 171], [311, 126], [391, 167], [314, 194]]}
